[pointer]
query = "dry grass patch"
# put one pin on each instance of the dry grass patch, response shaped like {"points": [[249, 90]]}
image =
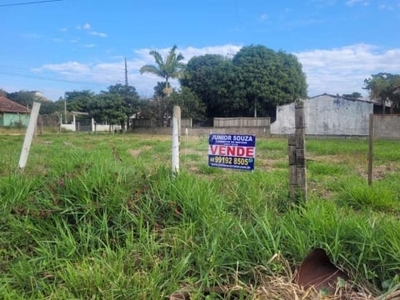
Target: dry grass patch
{"points": [[136, 152]]}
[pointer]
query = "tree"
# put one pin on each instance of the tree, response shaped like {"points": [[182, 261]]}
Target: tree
{"points": [[170, 68], [255, 81], [384, 87], [130, 99], [160, 88], [189, 102], [269, 78], [354, 95], [157, 110], [26, 98], [214, 80], [107, 108], [78, 100]]}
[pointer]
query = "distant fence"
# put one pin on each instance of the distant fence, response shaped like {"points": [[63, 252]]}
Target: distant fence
{"points": [[204, 131], [148, 123], [257, 126], [217, 123], [187, 123], [142, 123], [241, 122]]}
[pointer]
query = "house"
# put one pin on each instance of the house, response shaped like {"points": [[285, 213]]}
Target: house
{"points": [[328, 115], [12, 113]]}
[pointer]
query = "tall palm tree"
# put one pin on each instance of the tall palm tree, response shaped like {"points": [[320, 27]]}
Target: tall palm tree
{"points": [[172, 67]]}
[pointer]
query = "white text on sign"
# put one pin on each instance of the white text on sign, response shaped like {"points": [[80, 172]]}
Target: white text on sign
{"points": [[237, 151]]}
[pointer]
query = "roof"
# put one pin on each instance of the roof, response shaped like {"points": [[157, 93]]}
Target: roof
{"points": [[346, 98], [6, 105]]}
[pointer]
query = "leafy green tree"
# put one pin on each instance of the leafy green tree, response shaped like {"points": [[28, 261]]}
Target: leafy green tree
{"points": [[26, 98], [107, 107], [189, 102], [78, 100], [48, 108], [354, 95], [269, 78], [157, 110], [159, 89], [384, 87], [169, 68], [213, 78], [130, 99]]}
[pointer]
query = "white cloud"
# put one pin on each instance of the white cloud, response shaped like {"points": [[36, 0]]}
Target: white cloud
{"points": [[33, 36], [70, 70], [85, 26], [89, 29], [357, 2], [390, 5], [324, 3], [338, 70], [343, 70], [100, 34], [264, 17], [352, 2]]}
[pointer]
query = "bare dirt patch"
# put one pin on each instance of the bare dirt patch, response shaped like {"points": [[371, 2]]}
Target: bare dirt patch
{"points": [[136, 152], [379, 171]]}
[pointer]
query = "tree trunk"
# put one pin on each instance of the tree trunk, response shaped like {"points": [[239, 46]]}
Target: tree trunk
{"points": [[255, 107], [384, 107]]}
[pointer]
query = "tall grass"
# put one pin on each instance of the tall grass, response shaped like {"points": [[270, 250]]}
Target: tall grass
{"points": [[101, 217]]}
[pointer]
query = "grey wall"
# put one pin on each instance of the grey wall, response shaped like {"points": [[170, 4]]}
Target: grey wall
{"points": [[326, 115], [387, 126]]}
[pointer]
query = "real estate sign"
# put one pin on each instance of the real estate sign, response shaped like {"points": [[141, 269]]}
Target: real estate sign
{"points": [[232, 151]]}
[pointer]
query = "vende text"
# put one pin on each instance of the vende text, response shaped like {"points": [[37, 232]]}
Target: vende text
{"points": [[237, 151]]}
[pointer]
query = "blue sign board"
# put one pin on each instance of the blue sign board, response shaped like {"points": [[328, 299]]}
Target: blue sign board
{"points": [[234, 151]]}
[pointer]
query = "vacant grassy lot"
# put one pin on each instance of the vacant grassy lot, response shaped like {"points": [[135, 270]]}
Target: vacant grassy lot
{"points": [[100, 217]]}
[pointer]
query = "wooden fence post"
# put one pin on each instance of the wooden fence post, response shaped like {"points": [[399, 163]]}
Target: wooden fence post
{"points": [[370, 148]]}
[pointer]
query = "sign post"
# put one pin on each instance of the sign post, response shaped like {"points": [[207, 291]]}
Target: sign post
{"points": [[232, 151]]}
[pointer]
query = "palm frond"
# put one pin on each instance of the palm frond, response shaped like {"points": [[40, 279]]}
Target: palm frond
{"points": [[151, 69], [158, 58], [170, 68]]}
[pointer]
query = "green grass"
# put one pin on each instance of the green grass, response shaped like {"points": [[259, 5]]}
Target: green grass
{"points": [[101, 217]]}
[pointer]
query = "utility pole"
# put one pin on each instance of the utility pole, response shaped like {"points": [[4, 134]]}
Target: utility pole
{"points": [[126, 91], [126, 74], [65, 110]]}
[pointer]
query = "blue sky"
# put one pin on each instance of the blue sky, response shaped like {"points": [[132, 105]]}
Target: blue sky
{"points": [[68, 45]]}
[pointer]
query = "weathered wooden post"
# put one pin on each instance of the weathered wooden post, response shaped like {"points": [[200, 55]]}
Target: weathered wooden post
{"points": [[297, 159], [370, 148], [292, 167]]}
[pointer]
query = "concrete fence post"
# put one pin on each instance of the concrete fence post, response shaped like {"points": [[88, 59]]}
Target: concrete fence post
{"points": [[176, 133], [297, 159], [30, 131]]}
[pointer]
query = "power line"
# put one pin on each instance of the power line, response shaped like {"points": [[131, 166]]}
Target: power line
{"points": [[28, 3], [14, 74]]}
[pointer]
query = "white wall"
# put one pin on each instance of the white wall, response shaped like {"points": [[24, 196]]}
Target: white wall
{"points": [[326, 115], [99, 127]]}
